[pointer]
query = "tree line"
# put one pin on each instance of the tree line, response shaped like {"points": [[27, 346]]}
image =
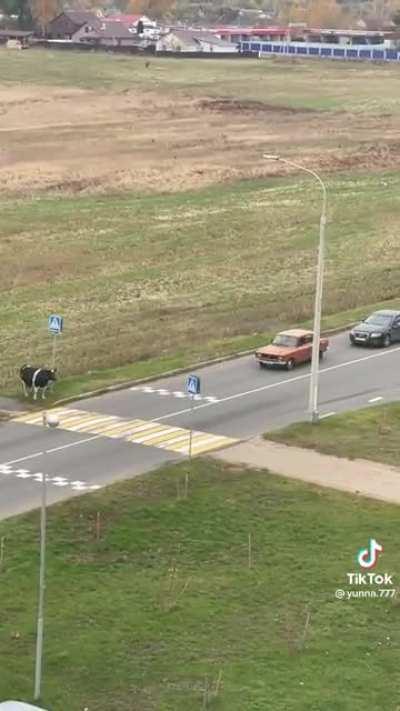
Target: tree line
{"points": [[371, 14]]}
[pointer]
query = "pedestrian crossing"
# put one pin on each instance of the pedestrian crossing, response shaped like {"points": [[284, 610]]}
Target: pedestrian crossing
{"points": [[60, 481], [149, 390], [146, 432]]}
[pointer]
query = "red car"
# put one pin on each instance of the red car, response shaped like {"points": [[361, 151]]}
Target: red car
{"points": [[289, 348]]}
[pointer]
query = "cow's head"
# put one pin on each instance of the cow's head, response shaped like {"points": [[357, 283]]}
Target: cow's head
{"points": [[52, 374]]}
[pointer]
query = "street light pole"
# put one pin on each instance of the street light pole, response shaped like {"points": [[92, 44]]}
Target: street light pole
{"points": [[314, 381], [48, 421]]}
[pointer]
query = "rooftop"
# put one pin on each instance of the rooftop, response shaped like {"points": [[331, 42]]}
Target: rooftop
{"points": [[80, 17], [199, 36], [16, 34], [111, 29], [126, 19]]}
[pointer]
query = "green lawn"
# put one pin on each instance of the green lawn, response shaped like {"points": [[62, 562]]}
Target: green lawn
{"points": [[372, 433], [144, 277], [165, 603], [309, 84]]}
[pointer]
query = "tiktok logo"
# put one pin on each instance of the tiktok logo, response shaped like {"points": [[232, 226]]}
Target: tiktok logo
{"points": [[368, 557]]}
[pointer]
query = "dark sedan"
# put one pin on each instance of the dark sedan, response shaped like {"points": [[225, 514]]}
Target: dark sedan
{"points": [[380, 329]]}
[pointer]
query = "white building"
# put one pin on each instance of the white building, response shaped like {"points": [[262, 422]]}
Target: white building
{"points": [[190, 41]]}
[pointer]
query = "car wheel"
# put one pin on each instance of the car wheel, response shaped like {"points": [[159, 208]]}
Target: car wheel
{"points": [[321, 354], [386, 341], [290, 364], [261, 364]]}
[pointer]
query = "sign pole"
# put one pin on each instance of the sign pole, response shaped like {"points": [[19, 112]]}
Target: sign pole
{"points": [[53, 357], [192, 389], [191, 429]]}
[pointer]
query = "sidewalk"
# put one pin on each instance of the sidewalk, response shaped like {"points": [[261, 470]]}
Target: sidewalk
{"points": [[358, 476]]}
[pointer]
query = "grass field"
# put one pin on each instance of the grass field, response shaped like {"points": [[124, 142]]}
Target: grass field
{"points": [[372, 433], [341, 85], [136, 202], [163, 603], [156, 276]]}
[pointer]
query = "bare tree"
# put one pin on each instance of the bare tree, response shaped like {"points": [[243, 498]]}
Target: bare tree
{"points": [[153, 8], [43, 11]]}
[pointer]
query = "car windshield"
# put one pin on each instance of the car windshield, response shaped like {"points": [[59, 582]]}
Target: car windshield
{"points": [[283, 340], [379, 319]]}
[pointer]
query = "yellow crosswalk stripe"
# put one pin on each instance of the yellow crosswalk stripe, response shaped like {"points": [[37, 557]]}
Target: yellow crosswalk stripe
{"points": [[175, 440], [144, 427], [30, 419], [89, 425], [204, 443], [198, 438], [162, 436], [71, 420], [142, 435], [112, 428], [85, 424], [216, 443], [148, 433], [182, 444], [116, 429]]}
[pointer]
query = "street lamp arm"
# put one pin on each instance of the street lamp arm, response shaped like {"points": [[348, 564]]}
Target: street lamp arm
{"points": [[314, 174]]}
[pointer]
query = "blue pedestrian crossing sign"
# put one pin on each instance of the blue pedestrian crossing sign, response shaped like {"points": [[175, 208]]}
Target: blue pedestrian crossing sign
{"points": [[56, 324], [193, 385]]}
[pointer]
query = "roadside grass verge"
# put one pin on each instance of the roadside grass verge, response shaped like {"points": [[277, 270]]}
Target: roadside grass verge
{"points": [[372, 433], [359, 87], [77, 385], [160, 277], [153, 598]]}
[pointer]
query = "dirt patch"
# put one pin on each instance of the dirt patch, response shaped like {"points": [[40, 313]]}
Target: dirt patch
{"points": [[76, 141], [233, 106]]}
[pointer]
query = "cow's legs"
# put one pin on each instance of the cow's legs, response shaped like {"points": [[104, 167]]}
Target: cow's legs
{"points": [[44, 393], [35, 392], [25, 388]]}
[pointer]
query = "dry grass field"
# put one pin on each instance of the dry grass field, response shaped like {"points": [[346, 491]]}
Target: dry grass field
{"points": [[135, 200], [98, 123]]}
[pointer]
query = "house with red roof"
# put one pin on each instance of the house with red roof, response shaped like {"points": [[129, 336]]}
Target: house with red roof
{"points": [[75, 25]]}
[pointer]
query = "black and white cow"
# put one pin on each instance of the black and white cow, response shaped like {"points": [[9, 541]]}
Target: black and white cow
{"points": [[35, 379]]}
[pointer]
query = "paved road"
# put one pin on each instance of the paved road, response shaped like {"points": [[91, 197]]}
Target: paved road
{"points": [[128, 432]]}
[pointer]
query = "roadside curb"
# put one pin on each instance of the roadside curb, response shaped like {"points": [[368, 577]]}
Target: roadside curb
{"points": [[151, 378], [178, 371]]}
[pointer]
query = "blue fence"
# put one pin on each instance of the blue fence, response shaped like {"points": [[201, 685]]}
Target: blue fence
{"points": [[304, 49]]}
